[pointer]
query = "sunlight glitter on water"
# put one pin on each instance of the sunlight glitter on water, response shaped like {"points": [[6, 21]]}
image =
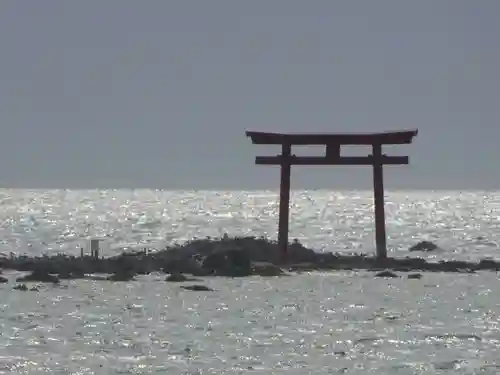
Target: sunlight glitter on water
{"points": [[467, 224], [342, 322], [305, 324]]}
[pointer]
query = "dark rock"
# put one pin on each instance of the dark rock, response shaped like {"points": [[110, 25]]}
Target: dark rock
{"points": [[424, 246], [231, 263], [3, 280], [188, 265], [24, 288], [176, 278], [39, 276], [297, 253], [453, 266], [136, 263], [197, 288], [71, 275], [386, 273], [402, 269], [304, 267], [414, 276], [266, 270], [488, 264], [122, 276]]}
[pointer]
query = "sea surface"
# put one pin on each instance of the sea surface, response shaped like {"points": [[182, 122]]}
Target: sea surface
{"points": [[318, 323]]}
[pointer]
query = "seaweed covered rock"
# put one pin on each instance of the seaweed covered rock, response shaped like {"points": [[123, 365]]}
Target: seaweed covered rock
{"points": [[133, 262], [199, 257], [263, 250], [188, 265], [123, 275], [424, 246], [21, 287], [386, 274], [267, 270], [75, 272], [232, 257], [256, 249], [488, 264], [414, 276], [233, 263], [197, 288], [71, 275], [178, 278], [39, 276]]}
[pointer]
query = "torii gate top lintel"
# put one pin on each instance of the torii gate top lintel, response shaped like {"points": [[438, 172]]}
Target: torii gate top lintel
{"points": [[387, 138]]}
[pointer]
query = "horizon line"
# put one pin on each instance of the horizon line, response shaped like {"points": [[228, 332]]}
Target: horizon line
{"points": [[276, 189]]}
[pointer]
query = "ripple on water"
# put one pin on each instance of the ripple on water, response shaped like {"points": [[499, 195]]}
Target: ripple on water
{"points": [[310, 323]]}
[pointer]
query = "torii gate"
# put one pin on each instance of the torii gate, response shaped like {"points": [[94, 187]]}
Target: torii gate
{"points": [[332, 143]]}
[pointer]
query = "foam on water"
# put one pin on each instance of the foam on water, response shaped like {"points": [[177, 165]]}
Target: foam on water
{"points": [[342, 322]]}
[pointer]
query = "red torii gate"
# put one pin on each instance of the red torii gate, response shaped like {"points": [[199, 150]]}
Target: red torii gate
{"points": [[332, 143]]}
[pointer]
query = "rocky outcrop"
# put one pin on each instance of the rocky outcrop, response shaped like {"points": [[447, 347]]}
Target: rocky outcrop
{"points": [[24, 288], [178, 278], [39, 276], [488, 264], [197, 288], [424, 246], [71, 275], [386, 274], [188, 265], [414, 276], [233, 263], [229, 257], [123, 275], [266, 269]]}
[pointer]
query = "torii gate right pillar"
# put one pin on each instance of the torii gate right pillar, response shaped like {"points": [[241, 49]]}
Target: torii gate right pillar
{"points": [[284, 208], [378, 195]]}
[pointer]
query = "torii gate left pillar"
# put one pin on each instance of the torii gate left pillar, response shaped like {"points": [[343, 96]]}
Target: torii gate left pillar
{"points": [[332, 143]]}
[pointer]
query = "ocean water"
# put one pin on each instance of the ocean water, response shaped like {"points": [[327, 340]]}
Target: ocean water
{"points": [[318, 323]]}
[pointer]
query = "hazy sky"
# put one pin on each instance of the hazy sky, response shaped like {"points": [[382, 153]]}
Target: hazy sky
{"points": [[159, 93]]}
